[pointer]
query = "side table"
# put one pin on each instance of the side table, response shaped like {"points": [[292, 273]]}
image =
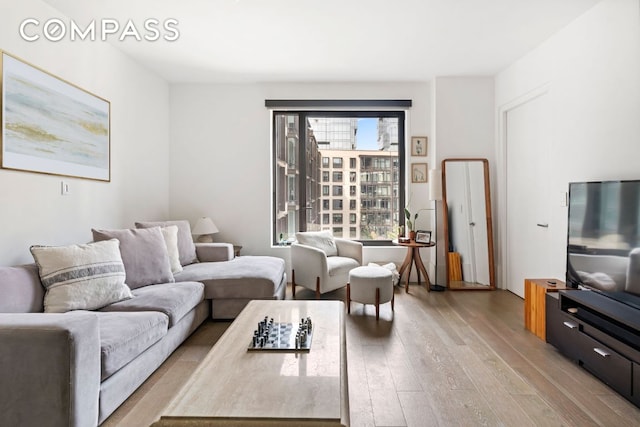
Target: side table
{"points": [[413, 257], [236, 250], [535, 291]]}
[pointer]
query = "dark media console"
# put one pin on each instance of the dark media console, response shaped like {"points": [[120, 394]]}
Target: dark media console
{"points": [[601, 334]]}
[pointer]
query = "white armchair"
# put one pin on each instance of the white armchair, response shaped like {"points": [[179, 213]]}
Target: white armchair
{"points": [[321, 262]]}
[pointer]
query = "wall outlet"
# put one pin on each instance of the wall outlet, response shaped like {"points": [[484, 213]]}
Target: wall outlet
{"points": [[64, 188]]}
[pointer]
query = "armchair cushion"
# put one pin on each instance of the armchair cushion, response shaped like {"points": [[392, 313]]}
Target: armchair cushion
{"points": [[322, 240], [341, 266]]}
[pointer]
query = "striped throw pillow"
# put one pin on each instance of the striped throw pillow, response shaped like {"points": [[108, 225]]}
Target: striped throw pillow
{"points": [[81, 277]]}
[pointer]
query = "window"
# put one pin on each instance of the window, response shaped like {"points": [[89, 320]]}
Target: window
{"points": [[311, 148]]}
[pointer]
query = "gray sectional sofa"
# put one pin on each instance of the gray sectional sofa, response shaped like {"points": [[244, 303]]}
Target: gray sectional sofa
{"points": [[75, 368]]}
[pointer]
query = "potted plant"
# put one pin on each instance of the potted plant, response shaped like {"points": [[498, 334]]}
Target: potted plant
{"points": [[411, 223]]}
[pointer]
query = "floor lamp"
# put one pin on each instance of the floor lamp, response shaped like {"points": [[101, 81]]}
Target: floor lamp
{"points": [[435, 194]]}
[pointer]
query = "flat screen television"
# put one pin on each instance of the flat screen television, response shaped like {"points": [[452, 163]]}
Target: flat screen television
{"points": [[603, 239]]}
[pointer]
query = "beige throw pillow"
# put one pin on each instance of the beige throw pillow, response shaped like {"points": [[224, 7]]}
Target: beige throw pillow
{"points": [[170, 235], [81, 277]]}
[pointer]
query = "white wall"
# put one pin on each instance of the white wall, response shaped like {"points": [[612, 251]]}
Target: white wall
{"points": [[32, 209], [462, 126], [592, 68], [221, 158]]}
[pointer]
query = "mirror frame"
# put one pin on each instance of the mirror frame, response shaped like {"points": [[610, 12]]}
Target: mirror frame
{"points": [[445, 222]]}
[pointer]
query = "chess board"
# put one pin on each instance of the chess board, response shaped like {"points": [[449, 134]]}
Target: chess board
{"points": [[282, 337]]}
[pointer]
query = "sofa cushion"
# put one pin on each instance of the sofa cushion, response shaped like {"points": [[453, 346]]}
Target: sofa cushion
{"points": [[173, 299], [186, 247], [322, 240], [124, 336], [144, 254], [21, 289], [170, 235], [242, 277], [81, 277]]}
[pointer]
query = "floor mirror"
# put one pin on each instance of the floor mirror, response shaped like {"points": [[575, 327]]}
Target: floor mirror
{"points": [[468, 232]]}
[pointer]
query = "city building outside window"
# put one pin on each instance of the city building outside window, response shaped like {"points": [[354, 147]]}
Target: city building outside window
{"points": [[308, 148]]}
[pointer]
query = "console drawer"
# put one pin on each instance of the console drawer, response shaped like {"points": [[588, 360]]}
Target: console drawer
{"points": [[562, 331], [605, 363]]}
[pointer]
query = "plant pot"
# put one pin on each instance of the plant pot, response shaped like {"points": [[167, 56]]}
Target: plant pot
{"points": [[412, 236]]}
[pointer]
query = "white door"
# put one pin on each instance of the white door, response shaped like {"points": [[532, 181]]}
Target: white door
{"points": [[527, 183]]}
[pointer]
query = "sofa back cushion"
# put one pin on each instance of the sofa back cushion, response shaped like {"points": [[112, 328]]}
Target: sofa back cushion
{"points": [[186, 247], [20, 289], [144, 254], [322, 240], [81, 277]]}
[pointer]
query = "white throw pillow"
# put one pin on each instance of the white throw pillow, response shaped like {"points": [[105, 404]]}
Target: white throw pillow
{"points": [[81, 277], [322, 240], [170, 235]]}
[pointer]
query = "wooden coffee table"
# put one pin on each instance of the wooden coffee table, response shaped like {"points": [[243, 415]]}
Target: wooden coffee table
{"points": [[236, 387]]}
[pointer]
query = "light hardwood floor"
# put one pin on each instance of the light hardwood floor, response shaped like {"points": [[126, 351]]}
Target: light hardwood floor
{"points": [[458, 358]]}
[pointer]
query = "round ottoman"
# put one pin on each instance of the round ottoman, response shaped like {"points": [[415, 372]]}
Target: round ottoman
{"points": [[370, 285]]}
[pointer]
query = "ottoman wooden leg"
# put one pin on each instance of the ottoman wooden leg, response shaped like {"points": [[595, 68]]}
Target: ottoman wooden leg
{"points": [[317, 288], [348, 298], [393, 298], [377, 303]]}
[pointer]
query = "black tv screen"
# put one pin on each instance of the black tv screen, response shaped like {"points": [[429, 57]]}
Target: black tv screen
{"points": [[603, 239]]}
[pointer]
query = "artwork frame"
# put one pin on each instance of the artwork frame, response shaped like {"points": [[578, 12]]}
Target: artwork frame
{"points": [[423, 236], [419, 146], [419, 173], [51, 126]]}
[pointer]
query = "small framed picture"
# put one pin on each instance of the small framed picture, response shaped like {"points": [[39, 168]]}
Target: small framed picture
{"points": [[423, 236], [419, 146], [418, 172]]}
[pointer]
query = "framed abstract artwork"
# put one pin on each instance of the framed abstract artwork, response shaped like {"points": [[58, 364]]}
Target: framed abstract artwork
{"points": [[52, 126]]}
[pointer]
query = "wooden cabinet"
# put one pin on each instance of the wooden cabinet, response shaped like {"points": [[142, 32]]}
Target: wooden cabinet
{"points": [[535, 291]]}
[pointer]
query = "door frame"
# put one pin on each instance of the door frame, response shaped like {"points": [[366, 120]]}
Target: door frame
{"points": [[501, 170]]}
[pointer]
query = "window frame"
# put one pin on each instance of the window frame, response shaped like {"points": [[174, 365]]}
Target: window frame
{"points": [[303, 115]]}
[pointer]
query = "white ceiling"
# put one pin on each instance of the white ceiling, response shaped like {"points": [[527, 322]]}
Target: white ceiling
{"points": [[332, 40]]}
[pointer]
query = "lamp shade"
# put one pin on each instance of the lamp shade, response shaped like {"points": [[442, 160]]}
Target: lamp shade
{"points": [[435, 184], [204, 226]]}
